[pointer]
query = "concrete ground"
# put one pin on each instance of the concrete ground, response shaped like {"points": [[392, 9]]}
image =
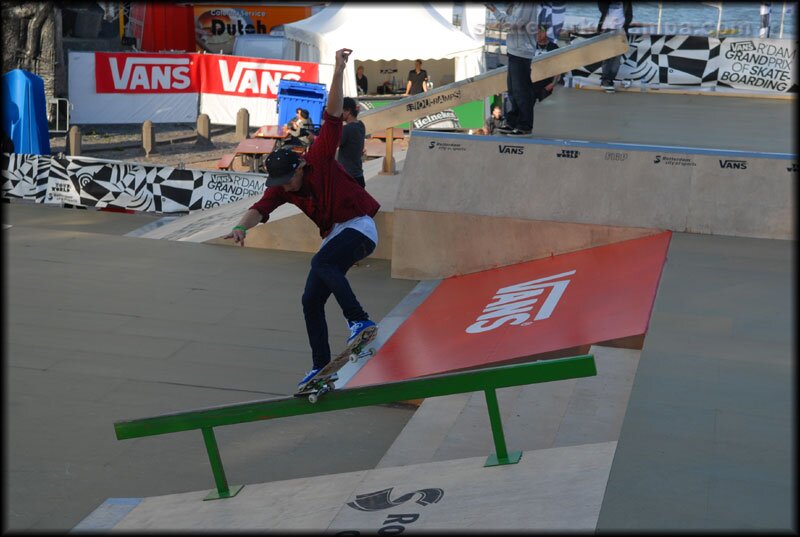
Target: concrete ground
{"points": [[102, 327], [709, 437]]}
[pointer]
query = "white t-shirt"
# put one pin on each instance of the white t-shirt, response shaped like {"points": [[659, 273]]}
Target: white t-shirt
{"points": [[363, 224], [615, 17]]}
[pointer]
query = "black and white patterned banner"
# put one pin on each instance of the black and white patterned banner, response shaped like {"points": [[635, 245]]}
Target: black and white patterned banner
{"points": [[705, 62], [99, 183]]}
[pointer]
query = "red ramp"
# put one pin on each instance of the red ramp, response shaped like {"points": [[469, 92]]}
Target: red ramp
{"points": [[542, 306]]}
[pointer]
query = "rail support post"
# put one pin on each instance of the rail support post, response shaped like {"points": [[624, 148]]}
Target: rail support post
{"points": [[502, 456], [388, 167], [223, 491]]}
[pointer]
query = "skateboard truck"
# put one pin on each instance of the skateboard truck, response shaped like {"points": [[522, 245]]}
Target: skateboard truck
{"points": [[322, 383]]}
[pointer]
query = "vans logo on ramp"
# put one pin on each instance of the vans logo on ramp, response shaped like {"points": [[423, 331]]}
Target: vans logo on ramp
{"points": [[792, 168], [512, 149], [514, 304], [733, 164]]}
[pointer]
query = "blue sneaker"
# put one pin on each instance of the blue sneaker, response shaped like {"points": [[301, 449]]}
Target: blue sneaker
{"points": [[356, 327], [311, 374]]}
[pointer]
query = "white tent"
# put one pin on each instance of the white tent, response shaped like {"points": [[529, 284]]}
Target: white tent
{"points": [[381, 32]]}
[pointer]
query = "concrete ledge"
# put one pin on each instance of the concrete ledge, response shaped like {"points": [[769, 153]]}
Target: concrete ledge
{"points": [[469, 203], [629, 185]]}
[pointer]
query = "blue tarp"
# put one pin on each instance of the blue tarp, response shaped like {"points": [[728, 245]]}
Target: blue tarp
{"points": [[25, 112]]}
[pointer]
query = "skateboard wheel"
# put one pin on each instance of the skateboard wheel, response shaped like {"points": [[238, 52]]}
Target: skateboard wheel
{"points": [[353, 358], [313, 398], [331, 386]]}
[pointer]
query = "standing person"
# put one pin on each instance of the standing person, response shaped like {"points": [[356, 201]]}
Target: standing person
{"points": [[613, 16], [520, 22], [362, 85], [318, 185], [417, 79], [552, 16], [351, 147]]}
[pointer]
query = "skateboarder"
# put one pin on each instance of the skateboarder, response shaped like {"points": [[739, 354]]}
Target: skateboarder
{"points": [[320, 187]]}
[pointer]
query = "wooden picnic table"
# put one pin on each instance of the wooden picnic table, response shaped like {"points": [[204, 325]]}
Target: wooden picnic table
{"points": [[255, 148], [270, 131]]}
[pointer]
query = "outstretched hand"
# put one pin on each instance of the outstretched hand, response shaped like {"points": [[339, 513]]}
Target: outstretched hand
{"points": [[341, 57], [237, 235]]}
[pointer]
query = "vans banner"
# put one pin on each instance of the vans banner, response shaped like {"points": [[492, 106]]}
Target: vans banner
{"points": [[250, 77], [113, 88], [708, 63], [146, 73], [761, 64], [196, 73]]}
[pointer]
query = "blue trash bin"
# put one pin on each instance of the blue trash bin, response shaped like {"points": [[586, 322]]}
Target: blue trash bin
{"points": [[293, 95]]}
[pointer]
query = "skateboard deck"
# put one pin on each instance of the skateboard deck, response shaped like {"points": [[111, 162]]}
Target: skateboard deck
{"points": [[321, 383]]}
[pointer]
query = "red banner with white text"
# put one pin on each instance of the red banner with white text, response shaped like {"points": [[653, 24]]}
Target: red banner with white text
{"points": [[196, 73], [107, 87], [146, 73], [250, 77]]}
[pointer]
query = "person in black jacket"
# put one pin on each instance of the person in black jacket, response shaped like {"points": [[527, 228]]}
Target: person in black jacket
{"points": [[351, 145], [613, 16]]}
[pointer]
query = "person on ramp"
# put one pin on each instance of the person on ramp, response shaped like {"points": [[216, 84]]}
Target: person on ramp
{"points": [[320, 187]]}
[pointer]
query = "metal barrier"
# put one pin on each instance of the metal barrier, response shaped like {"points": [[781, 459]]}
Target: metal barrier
{"points": [[487, 380], [54, 120]]}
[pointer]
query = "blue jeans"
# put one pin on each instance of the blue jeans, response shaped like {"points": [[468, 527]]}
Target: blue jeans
{"points": [[326, 277], [520, 93]]}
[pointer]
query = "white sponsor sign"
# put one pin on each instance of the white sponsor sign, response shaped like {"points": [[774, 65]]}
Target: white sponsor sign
{"points": [[758, 64]]}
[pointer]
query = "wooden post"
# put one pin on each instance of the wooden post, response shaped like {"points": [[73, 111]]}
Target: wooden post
{"points": [[203, 130], [148, 138], [74, 141], [388, 160], [242, 124]]}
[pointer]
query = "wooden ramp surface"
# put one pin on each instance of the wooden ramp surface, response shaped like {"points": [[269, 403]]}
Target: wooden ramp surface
{"points": [[535, 309]]}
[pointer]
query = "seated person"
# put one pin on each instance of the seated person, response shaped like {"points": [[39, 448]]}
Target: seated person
{"points": [[494, 121], [299, 130], [296, 124]]}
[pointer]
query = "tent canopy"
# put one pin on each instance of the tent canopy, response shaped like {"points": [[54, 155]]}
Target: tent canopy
{"points": [[381, 32]]}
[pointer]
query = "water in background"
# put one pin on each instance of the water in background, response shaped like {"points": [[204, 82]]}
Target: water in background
{"points": [[739, 19]]}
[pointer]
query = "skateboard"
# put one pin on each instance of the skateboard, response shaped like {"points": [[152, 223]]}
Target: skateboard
{"points": [[321, 383]]}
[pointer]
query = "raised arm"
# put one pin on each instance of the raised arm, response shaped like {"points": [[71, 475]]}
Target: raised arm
{"points": [[335, 93]]}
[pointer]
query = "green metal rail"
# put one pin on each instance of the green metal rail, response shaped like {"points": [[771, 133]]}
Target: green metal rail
{"points": [[486, 380]]}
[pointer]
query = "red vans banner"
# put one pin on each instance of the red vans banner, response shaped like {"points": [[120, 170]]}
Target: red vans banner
{"points": [[196, 73], [146, 73], [250, 77]]}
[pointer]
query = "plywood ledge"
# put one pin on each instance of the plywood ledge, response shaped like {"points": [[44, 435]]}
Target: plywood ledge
{"points": [[432, 245]]}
